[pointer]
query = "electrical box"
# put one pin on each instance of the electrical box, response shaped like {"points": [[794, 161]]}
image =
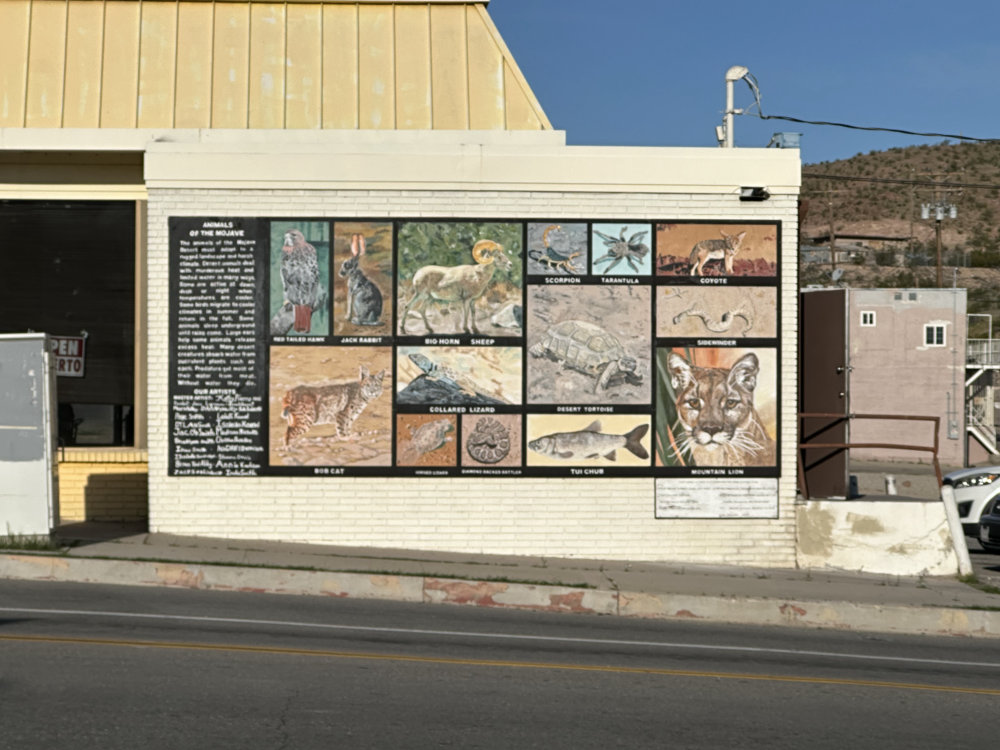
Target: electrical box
{"points": [[29, 497]]}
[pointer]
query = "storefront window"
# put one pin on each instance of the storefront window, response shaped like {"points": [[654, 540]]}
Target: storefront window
{"points": [[67, 268]]}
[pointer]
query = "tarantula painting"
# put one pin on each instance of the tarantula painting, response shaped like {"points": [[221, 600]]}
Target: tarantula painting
{"points": [[619, 248]]}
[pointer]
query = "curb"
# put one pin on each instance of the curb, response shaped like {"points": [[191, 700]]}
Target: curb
{"points": [[533, 597]]}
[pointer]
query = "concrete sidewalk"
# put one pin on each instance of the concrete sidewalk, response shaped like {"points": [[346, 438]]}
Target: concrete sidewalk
{"points": [[101, 553]]}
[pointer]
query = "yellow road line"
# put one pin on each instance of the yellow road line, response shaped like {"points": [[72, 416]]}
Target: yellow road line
{"points": [[496, 663]]}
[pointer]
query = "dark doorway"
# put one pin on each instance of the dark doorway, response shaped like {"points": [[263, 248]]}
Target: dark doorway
{"points": [[823, 389]]}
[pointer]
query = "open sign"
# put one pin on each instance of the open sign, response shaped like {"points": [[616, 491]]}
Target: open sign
{"points": [[69, 353]]}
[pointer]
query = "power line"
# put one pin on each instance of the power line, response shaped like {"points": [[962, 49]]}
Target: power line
{"points": [[899, 181], [877, 129]]}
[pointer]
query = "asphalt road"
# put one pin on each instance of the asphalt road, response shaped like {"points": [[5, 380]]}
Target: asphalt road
{"points": [[985, 565], [85, 666]]}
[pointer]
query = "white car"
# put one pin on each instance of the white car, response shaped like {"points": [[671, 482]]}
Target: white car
{"points": [[974, 489]]}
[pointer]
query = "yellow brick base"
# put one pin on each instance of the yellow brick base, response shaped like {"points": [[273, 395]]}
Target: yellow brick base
{"points": [[103, 484]]}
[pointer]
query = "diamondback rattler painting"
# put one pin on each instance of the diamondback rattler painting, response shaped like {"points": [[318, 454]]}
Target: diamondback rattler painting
{"points": [[491, 440], [330, 406]]}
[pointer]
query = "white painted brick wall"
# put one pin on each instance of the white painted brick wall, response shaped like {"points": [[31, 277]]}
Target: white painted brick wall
{"points": [[599, 518]]}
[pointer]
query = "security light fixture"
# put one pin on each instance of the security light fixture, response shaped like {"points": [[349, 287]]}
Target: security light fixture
{"points": [[754, 194]]}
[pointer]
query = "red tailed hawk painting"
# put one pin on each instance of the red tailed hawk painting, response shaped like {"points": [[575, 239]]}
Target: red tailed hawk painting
{"points": [[300, 278]]}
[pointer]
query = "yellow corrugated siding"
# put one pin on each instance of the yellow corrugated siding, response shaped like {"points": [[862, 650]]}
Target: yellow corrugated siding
{"points": [[15, 22], [267, 65], [157, 65], [84, 47], [193, 99], [231, 66], [376, 68], [304, 71], [413, 67], [120, 71], [46, 61], [486, 98], [449, 68], [340, 67], [200, 63]]}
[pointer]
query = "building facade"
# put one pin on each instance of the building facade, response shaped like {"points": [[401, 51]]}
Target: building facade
{"points": [[558, 329]]}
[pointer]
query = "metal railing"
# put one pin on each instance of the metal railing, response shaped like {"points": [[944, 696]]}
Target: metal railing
{"points": [[982, 352], [805, 442]]}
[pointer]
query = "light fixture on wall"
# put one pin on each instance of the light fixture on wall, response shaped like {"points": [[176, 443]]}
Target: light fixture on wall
{"points": [[754, 194]]}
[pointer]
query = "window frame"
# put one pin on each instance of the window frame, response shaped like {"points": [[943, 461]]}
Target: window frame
{"points": [[931, 331]]}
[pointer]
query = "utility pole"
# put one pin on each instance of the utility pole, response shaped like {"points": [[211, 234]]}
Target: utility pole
{"points": [[830, 192], [940, 208]]}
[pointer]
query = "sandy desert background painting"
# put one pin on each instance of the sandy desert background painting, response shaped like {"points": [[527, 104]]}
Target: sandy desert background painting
{"points": [[622, 311], [318, 366], [757, 255], [717, 312]]}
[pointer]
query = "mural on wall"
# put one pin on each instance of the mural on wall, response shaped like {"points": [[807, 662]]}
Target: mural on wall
{"points": [[716, 312], [426, 440], [716, 407], [557, 249], [300, 278], [622, 250], [491, 440], [715, 250], [583, 440], [456, 375], [588, 344], [330, 406], [365, 347], [362, 287], [456, 277]]}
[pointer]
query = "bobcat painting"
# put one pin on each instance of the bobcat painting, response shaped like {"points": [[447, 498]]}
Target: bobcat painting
{"points": [[339, 404], [724, 250], [715, 408]]}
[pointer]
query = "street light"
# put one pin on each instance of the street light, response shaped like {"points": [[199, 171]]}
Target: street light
{"points": [[941, 209]]}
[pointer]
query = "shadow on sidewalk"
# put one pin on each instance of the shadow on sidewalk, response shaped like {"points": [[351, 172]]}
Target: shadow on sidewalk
{"points": [[92, 532]]}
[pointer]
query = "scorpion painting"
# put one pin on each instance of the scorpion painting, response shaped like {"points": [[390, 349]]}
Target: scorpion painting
{"points": [[626, 250], [557, 249]]}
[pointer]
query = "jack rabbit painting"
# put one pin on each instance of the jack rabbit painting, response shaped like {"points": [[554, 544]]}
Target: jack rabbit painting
{"points": [[459, 278], [362, 287]]}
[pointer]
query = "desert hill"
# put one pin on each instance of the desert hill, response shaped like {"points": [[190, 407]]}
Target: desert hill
{"points": [[876, 216]]}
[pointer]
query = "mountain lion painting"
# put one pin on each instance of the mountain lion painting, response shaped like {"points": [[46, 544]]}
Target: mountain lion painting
{"points": [[715, 407]]}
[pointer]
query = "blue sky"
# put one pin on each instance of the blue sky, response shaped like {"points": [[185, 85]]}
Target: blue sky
{"points": [[651, 72]]}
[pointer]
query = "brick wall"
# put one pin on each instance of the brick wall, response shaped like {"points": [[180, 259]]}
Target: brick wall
{"points": [[103, 484], [607, 518]]}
